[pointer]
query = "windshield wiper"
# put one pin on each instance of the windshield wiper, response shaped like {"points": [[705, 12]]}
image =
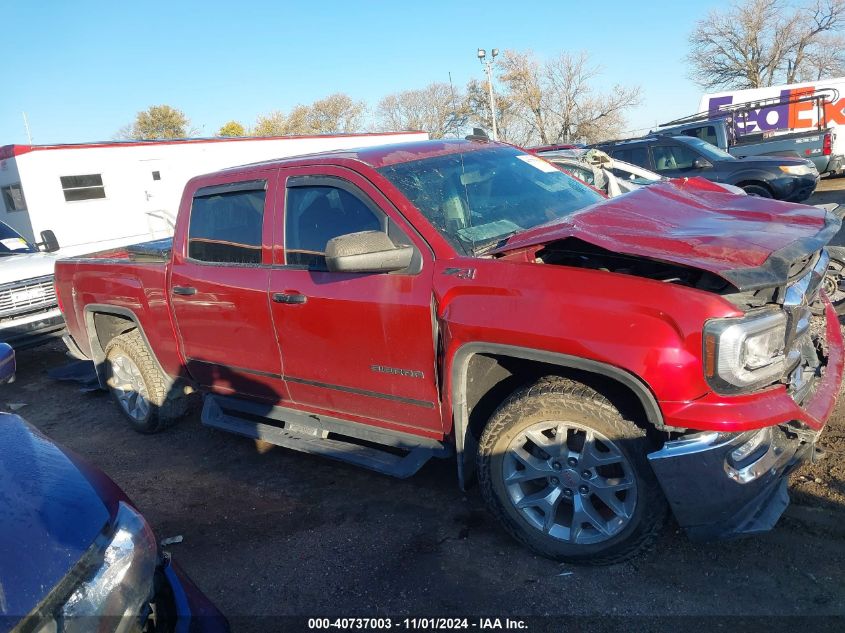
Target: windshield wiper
{"points": [[495, 243]]}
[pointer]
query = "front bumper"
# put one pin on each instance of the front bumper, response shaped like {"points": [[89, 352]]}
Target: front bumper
{"points": [[795, 189], [188, 610], [714, 495], [33, 329]]}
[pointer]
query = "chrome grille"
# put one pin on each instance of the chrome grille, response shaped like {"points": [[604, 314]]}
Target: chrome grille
{"points": [[29, 295], [805, 338]]}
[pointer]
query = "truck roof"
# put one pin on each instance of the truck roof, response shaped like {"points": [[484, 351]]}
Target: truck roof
{"points": [[382, 155]]}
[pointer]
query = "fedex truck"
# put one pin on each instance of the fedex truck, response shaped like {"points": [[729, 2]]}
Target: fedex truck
{"points": [[781, 108]]}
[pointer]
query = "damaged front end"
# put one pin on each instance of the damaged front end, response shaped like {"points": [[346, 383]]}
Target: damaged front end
{"points": [[722, 485]]}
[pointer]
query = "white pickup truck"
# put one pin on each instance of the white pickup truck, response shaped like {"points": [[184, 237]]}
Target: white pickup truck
{"points": [[29, 312]]}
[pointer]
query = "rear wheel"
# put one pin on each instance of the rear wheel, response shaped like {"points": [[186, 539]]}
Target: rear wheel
{"points": [[138, 385], [757, 190], [568, 476]]}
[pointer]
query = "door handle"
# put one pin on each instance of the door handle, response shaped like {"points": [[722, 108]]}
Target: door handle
{"points": [[184, 290], [289, 297]]}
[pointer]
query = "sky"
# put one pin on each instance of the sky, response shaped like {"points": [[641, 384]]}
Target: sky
{"points": [[82, 70]]}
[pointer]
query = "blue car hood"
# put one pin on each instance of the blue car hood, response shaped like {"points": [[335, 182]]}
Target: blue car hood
{"points": [[50, 514]]}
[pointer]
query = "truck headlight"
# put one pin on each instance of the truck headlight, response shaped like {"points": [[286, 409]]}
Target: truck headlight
{"points": [[797, 170], [110, 588], [745, 353]]}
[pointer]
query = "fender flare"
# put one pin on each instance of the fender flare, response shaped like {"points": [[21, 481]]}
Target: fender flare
{"points": [[98, 354], [752, 174], [460, 365]]}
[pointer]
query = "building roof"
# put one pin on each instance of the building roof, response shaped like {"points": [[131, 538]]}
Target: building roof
{"points": [[9, 151]]}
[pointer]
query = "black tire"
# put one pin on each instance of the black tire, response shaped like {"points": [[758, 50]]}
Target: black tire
{"points": [[757, 190], [165, 406], [558, 399], [835, 273]]}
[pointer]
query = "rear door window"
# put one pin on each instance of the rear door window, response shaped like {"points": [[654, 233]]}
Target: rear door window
{"points": [[704, 132], [226, 224], [672, 158], [634, 155]]}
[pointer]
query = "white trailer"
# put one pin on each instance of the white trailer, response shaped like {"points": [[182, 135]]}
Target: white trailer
{"points": [[99, 195]]}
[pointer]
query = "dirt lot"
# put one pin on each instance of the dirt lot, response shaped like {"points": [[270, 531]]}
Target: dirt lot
{"points": [[269, 532]]}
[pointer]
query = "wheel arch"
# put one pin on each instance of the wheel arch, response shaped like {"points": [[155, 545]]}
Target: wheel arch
{"points": [[473, 380], [102, 323]]}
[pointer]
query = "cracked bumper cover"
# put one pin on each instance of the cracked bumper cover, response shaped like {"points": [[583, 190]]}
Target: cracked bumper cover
{"points": [[714, 495], [717, 491]]}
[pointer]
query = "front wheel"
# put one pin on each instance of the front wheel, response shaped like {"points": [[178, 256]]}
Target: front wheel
{"points": [[568, 476], [757, 190]]}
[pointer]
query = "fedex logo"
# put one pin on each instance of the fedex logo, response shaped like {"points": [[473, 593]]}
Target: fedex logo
{"points": [[782, 117]]}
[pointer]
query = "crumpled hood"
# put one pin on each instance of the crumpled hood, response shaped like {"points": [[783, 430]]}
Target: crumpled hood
{"points": [[749, 241], [50, 514]]}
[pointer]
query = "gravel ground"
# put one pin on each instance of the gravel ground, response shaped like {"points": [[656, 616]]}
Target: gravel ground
{"points": [[270, 532]]}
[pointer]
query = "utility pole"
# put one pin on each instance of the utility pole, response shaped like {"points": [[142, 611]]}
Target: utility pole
{"points": [[26, 125], [488, 66]]}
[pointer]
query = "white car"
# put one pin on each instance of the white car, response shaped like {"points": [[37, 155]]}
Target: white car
{"points": [[611, 176], [29, 312]]}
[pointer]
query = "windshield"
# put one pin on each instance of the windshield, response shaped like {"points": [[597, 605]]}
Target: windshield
{"points": [[478, 198], [710, 151], [11, 243]]}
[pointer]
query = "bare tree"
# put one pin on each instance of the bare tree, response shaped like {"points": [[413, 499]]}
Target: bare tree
{"points": [[758, 43], [477, 106], [825, 58], [337, 113], [556, 101], [433, 109]]}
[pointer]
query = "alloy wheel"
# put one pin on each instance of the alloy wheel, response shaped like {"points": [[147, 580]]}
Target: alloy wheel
{"points": [[127, 384], [570, 482]]}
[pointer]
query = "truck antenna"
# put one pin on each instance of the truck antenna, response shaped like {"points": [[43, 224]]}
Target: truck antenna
{"points": [[26, 126]]}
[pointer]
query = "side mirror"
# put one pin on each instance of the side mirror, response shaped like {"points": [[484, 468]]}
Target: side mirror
{"points": [[366, 252], [700, 163], [48, 241]]}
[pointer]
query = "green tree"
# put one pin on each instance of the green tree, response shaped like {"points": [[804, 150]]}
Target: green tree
{"points": [[272, 124], [157, 122], [232, 128]]}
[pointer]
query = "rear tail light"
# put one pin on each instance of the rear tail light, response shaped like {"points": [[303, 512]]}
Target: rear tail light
{"points": [[58, 296], [827, 144]]}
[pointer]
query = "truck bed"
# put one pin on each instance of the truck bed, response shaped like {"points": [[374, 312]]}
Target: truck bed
{"points": [[127, 281], [155, 251]]}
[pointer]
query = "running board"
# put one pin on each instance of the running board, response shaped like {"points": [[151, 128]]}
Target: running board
{"points": [[310, 434]]}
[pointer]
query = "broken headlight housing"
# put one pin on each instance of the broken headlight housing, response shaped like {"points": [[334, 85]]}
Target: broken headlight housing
{"points": [[745, 353], [110, 589]]}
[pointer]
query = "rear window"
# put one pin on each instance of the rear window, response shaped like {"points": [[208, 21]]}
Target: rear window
{"points": [[634, 155], [225, 226], [705, 133]]}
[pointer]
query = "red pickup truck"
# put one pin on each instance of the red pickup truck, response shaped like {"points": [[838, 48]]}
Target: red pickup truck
{"points": [[593, 363]]}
